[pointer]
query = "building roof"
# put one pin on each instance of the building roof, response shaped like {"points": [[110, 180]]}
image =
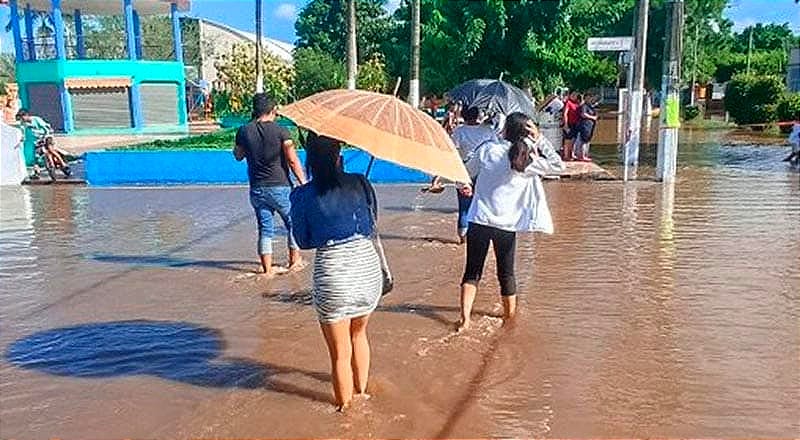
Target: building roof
{"points": [[280, 49], [110, 7]]}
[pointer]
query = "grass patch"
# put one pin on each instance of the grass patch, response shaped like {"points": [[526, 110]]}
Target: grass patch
{"points": [[218, 140]]}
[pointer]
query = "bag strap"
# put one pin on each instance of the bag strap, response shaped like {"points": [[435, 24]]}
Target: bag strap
{"points": [[372, 203]]}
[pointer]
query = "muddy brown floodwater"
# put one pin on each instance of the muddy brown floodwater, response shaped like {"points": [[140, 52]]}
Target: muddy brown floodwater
{"points": [[654, 311]]}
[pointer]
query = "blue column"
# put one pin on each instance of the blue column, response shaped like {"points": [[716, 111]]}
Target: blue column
{"points": [[58, 25], [66, 108], [29, 33], [80, 40], [182, 110], [15, 30], [130, 32], [137, 34], [137, 118], [177, 38]]}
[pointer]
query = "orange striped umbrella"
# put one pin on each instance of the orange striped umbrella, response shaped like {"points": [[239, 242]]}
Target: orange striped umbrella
{"points": [[383, 126]]}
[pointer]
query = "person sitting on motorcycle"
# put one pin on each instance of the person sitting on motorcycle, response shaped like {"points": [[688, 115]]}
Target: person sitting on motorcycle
{"points": [[45, 144]]}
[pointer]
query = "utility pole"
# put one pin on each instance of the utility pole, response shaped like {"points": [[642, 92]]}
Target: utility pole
{"points": [[413, 81], [352, 48], [750, 49], [259, 68], [671, 87], [636, 92], [694, 61]]}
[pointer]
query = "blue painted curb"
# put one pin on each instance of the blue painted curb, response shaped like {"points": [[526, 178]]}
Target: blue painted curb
{"points": [[212, 167]]}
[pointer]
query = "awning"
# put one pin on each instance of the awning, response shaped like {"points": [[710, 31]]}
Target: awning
{"points": [[97, 83], [110, 7]]}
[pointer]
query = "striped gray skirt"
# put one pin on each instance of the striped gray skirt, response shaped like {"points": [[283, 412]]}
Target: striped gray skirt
{"points": [[347, 280]]}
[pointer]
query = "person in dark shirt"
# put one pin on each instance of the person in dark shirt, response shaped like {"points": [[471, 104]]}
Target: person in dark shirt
{"points": [[585, 132], [271, 156]]}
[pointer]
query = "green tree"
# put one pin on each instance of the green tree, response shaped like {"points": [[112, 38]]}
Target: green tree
{"points": [[322, 24], [768, 36], [316, 71], [237, 70]]}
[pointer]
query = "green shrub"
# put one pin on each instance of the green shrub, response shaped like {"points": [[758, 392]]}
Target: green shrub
{"points": [[753, 99], [788, 109], [691, 112], [316, 71]]}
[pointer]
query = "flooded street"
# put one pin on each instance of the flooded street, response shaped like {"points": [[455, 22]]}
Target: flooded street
{"points": [[654, 311]]}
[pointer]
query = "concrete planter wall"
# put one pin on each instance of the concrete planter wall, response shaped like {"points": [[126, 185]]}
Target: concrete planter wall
{"points": [[211, 167]]}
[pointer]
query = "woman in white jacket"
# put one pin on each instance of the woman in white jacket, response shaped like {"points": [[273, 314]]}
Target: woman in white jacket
{"points": [[508, 198]]}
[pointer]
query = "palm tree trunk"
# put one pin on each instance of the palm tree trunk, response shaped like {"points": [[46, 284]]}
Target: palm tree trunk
{"points": [[352, 49], [259, 69], [413, 83]]}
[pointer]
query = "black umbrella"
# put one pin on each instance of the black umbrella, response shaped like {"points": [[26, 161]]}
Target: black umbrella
{"points": [[493, 96]]}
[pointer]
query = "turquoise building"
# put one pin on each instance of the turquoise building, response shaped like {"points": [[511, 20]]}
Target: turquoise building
{"points": [[78, 95]]}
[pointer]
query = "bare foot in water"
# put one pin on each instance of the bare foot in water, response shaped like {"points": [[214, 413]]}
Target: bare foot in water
{"points": [[462, 326], [343, 407], [362, 396], [297, 266]]}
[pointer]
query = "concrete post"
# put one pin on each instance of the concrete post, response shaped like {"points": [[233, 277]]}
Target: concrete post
{"points": [[16, 31], [60, 34], [31, 40], [130, 32], [80, 39], [177, 38], [137, 35], [352, 46], [636, 98], [671, 85], [413, 80]]}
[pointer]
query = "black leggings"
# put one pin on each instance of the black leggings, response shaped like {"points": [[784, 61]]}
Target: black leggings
{"points": [[504, 243]]}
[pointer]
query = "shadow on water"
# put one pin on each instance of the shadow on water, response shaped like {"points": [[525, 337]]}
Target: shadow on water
{"points": [[177, 351], [168, 261]]}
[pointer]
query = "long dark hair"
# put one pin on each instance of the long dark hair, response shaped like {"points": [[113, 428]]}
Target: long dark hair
{"points": [[322, 161], [516, 132]]}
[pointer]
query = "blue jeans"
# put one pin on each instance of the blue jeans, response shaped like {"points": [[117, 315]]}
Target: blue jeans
{"points": [[267, 200], [463, 209]]}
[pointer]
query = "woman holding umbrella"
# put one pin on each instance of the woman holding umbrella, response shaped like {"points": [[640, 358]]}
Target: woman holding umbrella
{"points": [[508, 198], [335, 214]]}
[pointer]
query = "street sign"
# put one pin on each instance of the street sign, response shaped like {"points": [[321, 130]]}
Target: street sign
{"points": [[610, 44]]}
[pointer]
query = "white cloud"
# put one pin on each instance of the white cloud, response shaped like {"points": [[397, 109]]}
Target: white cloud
{"points": [[740, 25], [286, 11], [392, 5]]}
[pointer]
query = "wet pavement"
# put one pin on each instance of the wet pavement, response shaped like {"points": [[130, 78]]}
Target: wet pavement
{"points": [[654, 311]]}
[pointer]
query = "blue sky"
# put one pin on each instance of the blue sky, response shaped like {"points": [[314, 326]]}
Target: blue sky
{"points": [[279, 15]]}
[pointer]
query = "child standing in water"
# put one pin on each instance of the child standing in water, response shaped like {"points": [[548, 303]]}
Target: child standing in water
{"points": [[508, 198]]}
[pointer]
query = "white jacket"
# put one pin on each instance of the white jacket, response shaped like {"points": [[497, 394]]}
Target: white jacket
{"points": [[507, 199]]}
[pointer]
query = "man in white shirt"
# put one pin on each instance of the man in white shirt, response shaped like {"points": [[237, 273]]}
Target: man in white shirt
{"points": [[469, 138]]}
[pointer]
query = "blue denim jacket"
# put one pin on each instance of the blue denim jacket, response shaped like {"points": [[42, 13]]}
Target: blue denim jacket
{"points": [[342, 214]]}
